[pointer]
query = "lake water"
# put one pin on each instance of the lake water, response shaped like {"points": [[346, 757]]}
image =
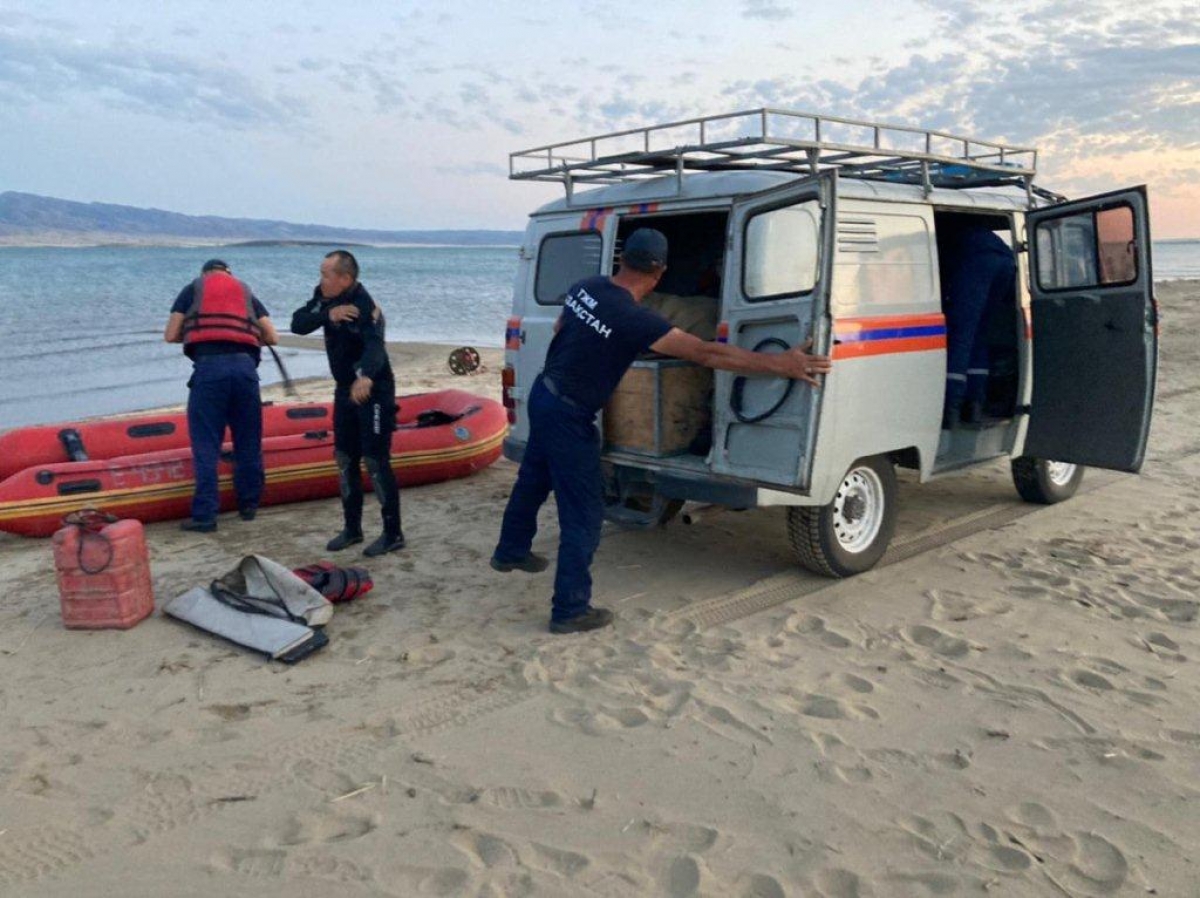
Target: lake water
{"points": [[81, 328]]}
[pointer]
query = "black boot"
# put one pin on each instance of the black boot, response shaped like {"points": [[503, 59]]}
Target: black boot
{"points": [[388, 542], [592, 619], [344, 539]]}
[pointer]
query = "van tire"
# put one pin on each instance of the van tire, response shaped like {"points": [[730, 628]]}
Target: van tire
{"points": [[1045, 482], [819, 535]]}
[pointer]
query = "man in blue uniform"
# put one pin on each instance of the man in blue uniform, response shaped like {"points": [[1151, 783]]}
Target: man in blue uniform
{"points": [[364, 397], [222, 327], [601, 331], [979, 274]]}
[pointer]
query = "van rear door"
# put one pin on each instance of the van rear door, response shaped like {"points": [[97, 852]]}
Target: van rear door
{"points": [[1094, 329], [564, 252], [779, 259]]}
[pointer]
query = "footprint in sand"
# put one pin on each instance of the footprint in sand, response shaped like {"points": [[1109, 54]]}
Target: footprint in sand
{"points": [[824, 707], [558, 860], [682, 878], [488, 850], [509, 798], [947, 605], [760, 885], [1090, 680], [327, 826], [938, 642], [815, 626], [1184, 737], [1164, 646], [443, 882], [838, 883], [1098, 862], [257, 864]]}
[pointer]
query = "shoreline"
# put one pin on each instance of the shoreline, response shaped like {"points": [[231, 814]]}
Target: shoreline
{"points": [[418, 367]]}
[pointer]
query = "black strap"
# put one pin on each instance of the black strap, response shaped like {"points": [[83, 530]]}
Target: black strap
{"points": [[254, 604], [739, 386]]}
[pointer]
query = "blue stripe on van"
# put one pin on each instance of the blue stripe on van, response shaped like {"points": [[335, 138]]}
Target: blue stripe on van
{"points": [[893, 333]]}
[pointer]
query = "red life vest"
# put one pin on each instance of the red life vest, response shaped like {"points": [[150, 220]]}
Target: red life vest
{"points": [[222, 309]]}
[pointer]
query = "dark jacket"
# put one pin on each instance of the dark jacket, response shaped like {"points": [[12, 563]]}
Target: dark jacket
{"points": [[353, 347]]}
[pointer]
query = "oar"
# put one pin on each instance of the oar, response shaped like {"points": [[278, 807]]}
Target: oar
{"points": [[288, 387]]}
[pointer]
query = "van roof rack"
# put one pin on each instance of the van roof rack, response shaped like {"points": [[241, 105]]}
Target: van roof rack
{"points": [[770, 139]]}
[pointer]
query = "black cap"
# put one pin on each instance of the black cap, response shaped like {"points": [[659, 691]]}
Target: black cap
{"points": [[213, 265], [645, 250]]}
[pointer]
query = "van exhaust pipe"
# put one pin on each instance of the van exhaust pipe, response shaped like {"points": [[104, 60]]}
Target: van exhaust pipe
{"points": [[695, 512]]}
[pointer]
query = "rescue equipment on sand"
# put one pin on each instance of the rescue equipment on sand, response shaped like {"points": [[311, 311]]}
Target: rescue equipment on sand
{"points": [[338, 584], [80, 441], [103, 571], [440, 436], [259, 604]]}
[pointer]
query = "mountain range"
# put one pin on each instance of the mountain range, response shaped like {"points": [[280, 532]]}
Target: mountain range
{"points": [[27, 219]]}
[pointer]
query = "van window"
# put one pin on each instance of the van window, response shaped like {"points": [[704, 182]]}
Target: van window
{"points": [[1089, 249], [564, 259], [780, 256]]}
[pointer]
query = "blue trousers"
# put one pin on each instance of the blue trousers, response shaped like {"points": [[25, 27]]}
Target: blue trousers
{"points": [[980, 284], [563, 455], [224, 392]]}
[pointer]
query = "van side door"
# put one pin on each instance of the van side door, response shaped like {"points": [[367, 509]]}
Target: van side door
{"points": [[779, 259], [1094, 329]]}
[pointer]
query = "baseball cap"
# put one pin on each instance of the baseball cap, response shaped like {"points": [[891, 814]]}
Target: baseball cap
{"points": [[645, 249], [213, 265]]}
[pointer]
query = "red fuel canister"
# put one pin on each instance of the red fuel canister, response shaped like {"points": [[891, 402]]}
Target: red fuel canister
{"points": [[103, 571]]}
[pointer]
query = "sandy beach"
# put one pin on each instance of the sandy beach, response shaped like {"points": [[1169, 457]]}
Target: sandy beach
{"points": [[1009, 705]]}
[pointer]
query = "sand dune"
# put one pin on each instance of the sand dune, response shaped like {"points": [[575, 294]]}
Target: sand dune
{"points": [[1008, 707]]}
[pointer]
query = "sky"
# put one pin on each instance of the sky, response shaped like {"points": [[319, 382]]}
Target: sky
{"points": [[401, 115]]}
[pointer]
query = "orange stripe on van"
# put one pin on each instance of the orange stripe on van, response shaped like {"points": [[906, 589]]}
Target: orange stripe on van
{"points": [[888, 347], [886, 322]]}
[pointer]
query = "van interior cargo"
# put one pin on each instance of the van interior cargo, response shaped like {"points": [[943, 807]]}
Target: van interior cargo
{"points": [[664, 407]]}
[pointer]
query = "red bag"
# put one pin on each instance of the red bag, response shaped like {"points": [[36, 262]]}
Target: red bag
{"points": [[338, 584]]}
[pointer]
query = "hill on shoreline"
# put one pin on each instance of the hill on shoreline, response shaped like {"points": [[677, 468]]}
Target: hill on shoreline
{"points": [[27, 219]]}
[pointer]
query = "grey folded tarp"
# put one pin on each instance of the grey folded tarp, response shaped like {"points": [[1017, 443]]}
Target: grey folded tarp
{"points": [[266, 583], [259, 604]]}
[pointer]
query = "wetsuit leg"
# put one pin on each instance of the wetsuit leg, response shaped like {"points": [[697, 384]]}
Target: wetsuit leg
{"points": [[377, 422], [347, 452], [519, 525], [208, 399], [245, 424]]}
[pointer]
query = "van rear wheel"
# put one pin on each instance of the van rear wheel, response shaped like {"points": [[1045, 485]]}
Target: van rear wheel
{"points": [[851, 533], [1045, 482]]}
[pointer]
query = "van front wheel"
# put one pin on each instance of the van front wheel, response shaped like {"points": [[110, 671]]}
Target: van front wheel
{"points": [[1045, 482], [851, 533]]}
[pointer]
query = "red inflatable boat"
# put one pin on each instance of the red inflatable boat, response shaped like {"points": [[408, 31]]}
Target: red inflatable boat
{"points": [[440, 436], [27, 446]]}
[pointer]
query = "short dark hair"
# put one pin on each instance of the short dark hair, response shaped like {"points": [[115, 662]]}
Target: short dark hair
{"points": [[344, 262]]}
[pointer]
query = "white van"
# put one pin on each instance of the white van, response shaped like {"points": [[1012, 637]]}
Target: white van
{"points": [[785, 226]]}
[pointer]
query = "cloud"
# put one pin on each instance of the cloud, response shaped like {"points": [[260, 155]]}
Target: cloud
{"points": [[40, 69], [472, 169], [770, 10]]}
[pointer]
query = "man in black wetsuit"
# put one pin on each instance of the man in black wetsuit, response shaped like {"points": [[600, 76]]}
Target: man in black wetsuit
{"points": [[364, 398]]}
